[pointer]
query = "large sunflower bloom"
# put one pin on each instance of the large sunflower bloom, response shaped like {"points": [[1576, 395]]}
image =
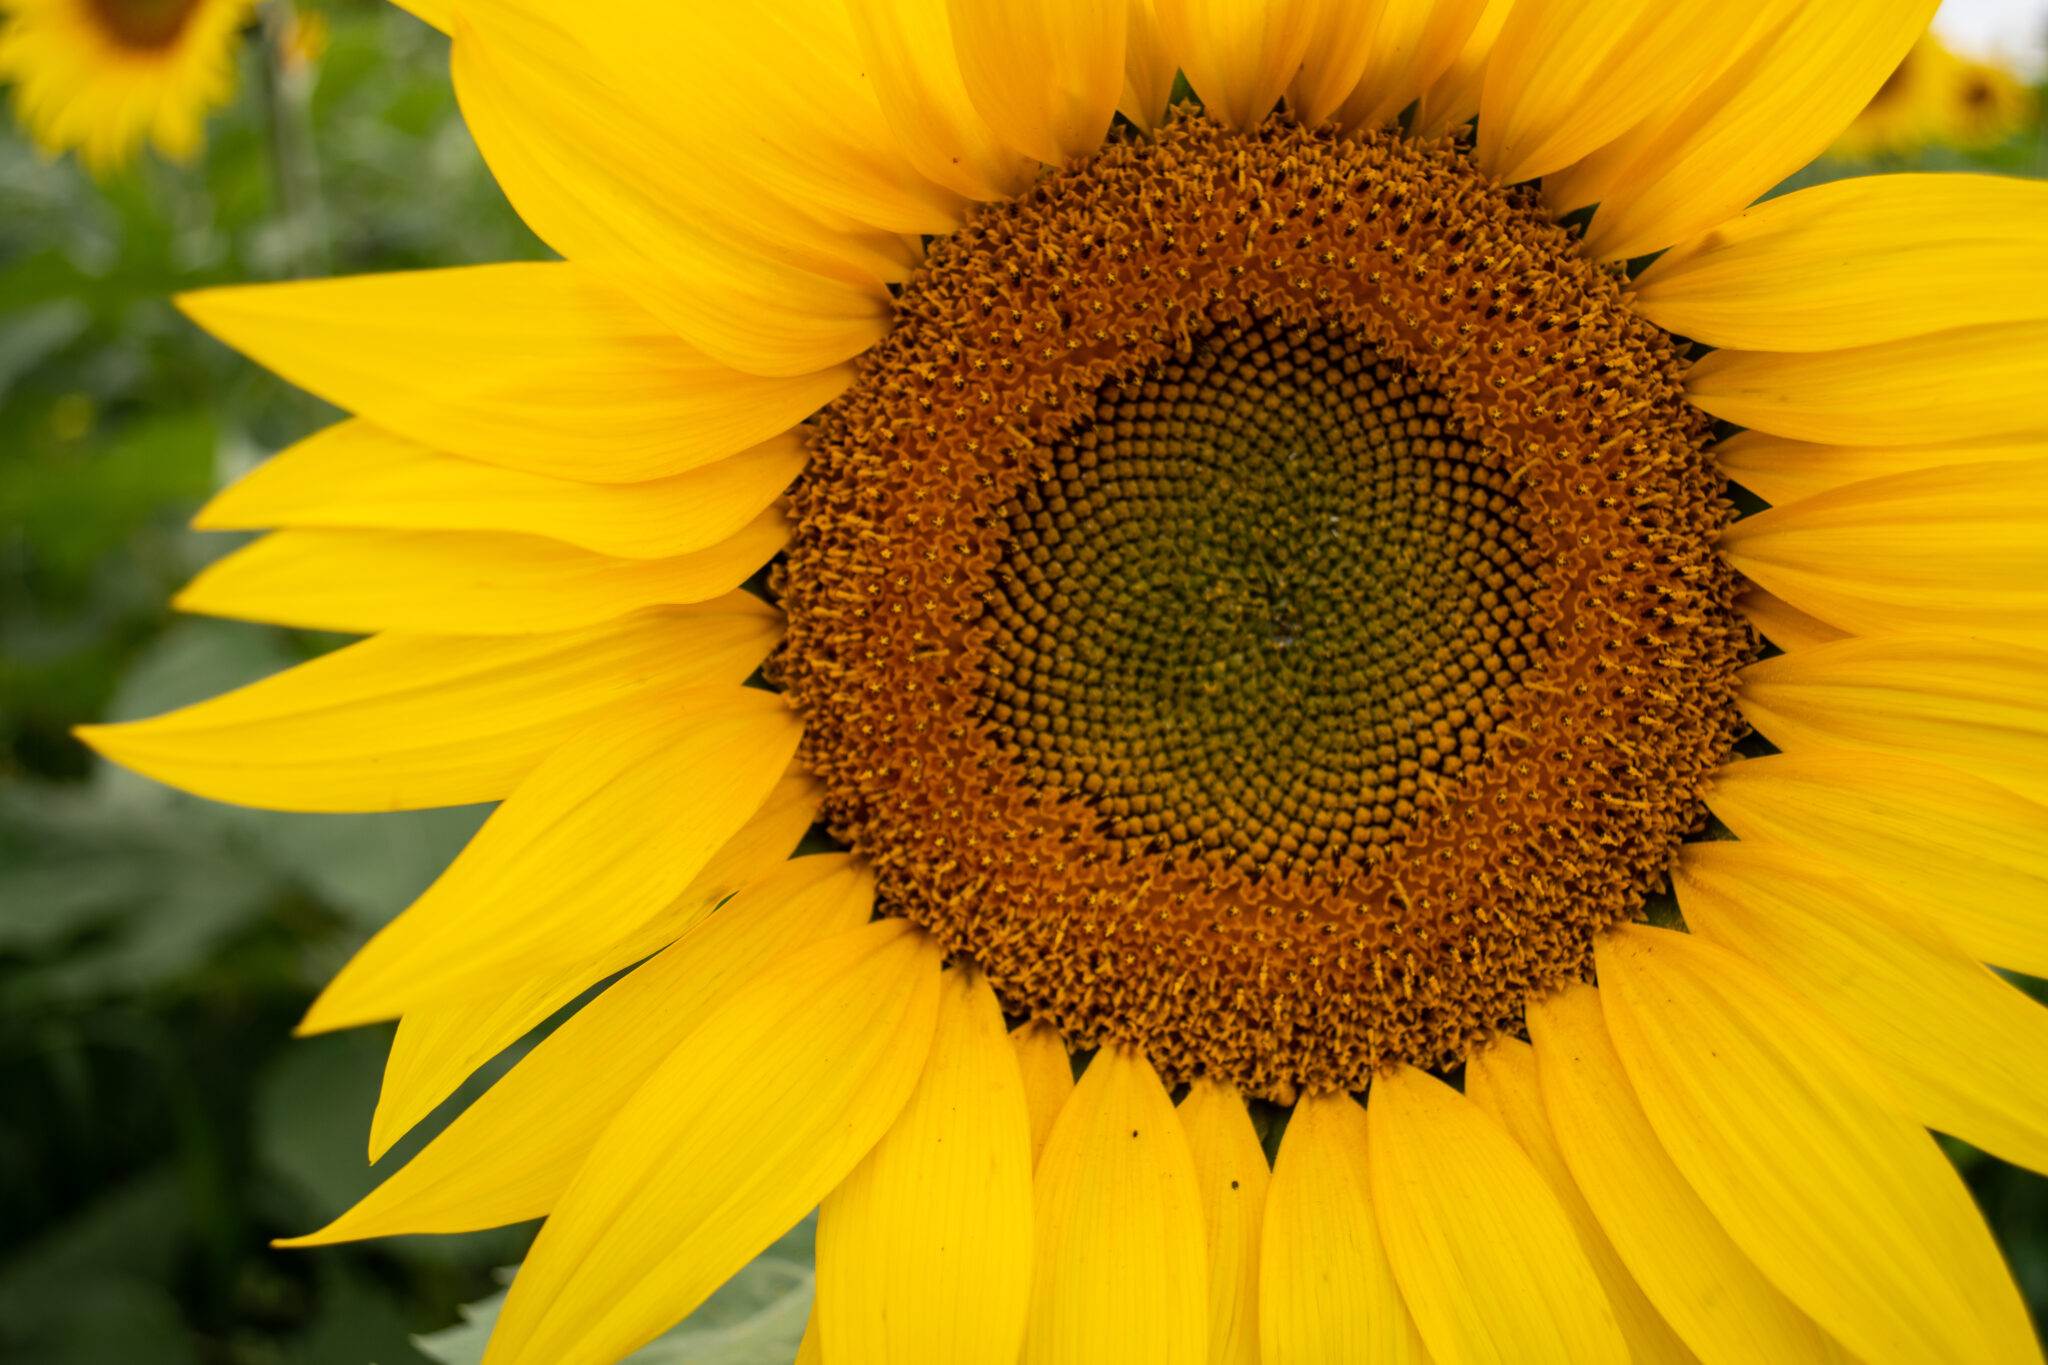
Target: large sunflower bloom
{"points": [[103, 76], [1257, 603]]}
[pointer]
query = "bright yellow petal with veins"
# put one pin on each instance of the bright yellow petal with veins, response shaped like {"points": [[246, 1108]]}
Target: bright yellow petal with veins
{"points": [[439, 1045], [1779, 470], [1962, 385], [1119, 1271], [1486, 1260], [747, 1126], [1783, 624], [481, 582], [570, 157], [1046, 76], [1961, 1045], [907, 46], [1775, 109], [404, 722], [1149, 68], [1974, 705], [926, 1246], [1453, 97], [1048, 1073], [1705, 1286], [1240, 55], [1971, 854], [509, 1156], [1501, 1079], [1856, 261], [1413, 43], [1231, 1167], [1340, 41], [1953, 550], [1326, 1292], [540, 366], [611, 828], [356, 475], [1774, 1116]]}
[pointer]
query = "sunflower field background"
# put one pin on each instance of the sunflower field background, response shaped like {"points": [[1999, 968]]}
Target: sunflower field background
{"points": [[158, 1126]]}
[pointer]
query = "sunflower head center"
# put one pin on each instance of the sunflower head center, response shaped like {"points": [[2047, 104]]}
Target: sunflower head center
{"points": [[145, 25]]}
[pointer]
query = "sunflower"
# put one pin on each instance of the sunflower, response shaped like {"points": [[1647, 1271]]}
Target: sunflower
{"points": [[103, 75], [1936, 98], [1253, 593]]}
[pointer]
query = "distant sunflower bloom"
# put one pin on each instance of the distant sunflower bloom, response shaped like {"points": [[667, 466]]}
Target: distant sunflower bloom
{"points": [[1255, 599], [1936, 99], [103, 76], [1989, 104]]}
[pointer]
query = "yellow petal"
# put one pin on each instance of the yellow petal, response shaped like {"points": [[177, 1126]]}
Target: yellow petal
{"points": [[356, 475], [1710, 1292], [1046, 76], [1149, 68], [1231, 1167], [808, 1351], [611, 828], [1048, 1077], [1971, 854], [1961, 385], [439, 1045], [1119, 1271], [746, 1126], [1453, 97], [1485, 1258], [1326, 1292], [1783, 624], [907, 46], [1974, 705], [535, 366], [509, 1156], [925, 1248], [1501, 1079], [1957, 550], [401, 722], [485, 583], [1781, 470], [1857, 261], [1846, 1205], [1411, 44], [1962, 1046], [1777, 107], [1239, 55]]}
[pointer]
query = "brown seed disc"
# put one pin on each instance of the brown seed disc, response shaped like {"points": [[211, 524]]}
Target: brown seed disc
{"points": [[1260, 604], [145, 25]]}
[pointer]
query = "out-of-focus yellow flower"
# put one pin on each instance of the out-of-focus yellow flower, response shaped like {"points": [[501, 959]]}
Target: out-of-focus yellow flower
{"points": [[1936, 98], [1987, 104], [100, 76]]}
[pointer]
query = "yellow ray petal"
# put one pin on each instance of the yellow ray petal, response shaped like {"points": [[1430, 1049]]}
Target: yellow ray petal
{"points": [[1239, 55], [1956, 550], [1119, 1272], [1453, 97], [1970, 853], [1412, 43], [1710, 1292], [509, 1156], [1231, 1168], [807, 1350], [1773, 110], [356, 475], [480, 582], [439, 1045], [1501, 1079], [1781, 470], [605, 833], [1326, 1291], [537, 366], [1048, 1077], [1783, 624], [1486, 1261], [907, 46], [1962, 1046], [1046, 76], [401, 722], [1149, 68], [571, 157], [1962, 385], [746, 1126], [926, 1246], [1973, 705], [1857, 261], [1846, 1205]]}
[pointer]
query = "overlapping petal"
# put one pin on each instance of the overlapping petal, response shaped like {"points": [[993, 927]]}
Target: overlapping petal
{"points": [[1232, 1170]]}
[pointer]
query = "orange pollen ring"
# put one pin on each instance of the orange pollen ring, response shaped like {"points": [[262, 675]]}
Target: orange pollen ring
{"points": [[1259, 603]]}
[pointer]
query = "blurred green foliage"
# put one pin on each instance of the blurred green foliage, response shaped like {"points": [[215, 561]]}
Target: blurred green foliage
{"points": [[158, 1125]]}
